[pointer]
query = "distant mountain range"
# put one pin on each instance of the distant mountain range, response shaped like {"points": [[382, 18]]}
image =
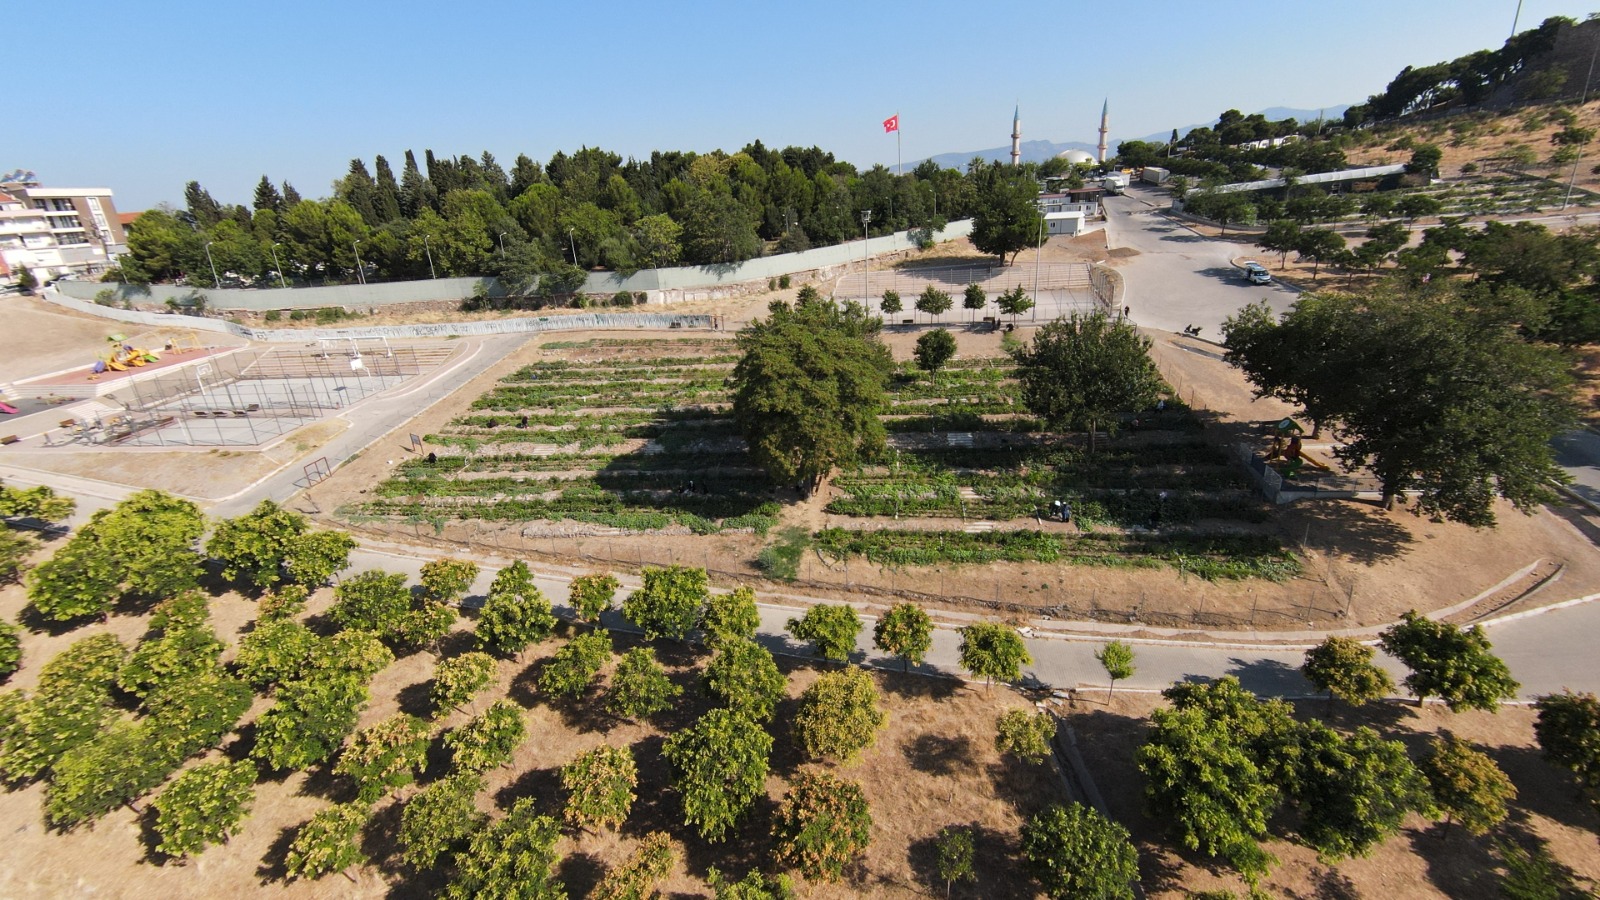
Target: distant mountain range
{"points": [[1039, 151]]}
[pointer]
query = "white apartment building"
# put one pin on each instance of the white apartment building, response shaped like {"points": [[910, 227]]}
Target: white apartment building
{"points": [[56, 231]]}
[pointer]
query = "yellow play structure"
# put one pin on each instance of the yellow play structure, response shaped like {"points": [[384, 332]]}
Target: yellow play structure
{"points": [[1286, 446], [125, 353]]}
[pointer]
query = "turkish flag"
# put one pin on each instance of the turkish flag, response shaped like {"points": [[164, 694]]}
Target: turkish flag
{"points": [[891, 124]]}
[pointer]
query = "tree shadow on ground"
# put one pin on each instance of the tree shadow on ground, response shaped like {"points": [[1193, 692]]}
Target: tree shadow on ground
{"points": [[1544, 788], [380, 839], [938, 754], [1384, 716], [415, 699], [787, 756], [1162, 870], [437, 762], [1018, 783], [543, 786], [989, 848], [454, 644], [1350, 531], [580, 872], [1460, 865], [321, 782], [584, 713], [31, 619], [274, 865], [1326, 884], [1269, 677], [149, 838], [922, 683]]}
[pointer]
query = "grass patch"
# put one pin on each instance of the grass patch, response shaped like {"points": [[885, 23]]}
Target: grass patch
{"points": [[781, 559]]}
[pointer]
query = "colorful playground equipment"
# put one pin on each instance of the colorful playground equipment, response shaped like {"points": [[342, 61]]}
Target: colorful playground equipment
{"points": [[1286, 446], [123, 355], [126, 353]]}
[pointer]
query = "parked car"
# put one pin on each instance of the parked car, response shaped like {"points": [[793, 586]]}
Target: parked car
{"points": [[1257, 273]]}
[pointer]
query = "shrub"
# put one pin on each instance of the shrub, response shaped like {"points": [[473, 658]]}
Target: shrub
{"points": [[821, 826], [1025, 735], [488, 740], [839, 715], [328, 842], [385, 756], [640, 686], [600, 788], [744, 676], [439, 819], [591, 595], [203, 806], [573, 668], [456, 680], [637, 877]]}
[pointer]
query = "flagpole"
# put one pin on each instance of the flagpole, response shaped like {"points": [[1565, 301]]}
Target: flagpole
{"points": [[897, 171]]}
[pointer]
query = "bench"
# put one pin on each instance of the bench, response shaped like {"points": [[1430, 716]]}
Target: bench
{"points": [[9, 440]]}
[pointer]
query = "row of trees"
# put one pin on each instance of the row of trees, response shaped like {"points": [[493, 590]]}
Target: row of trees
{"points": [[553, 223]]}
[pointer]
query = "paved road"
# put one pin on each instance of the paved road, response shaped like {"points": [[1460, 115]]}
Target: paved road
{"points": [[1180, 278]]}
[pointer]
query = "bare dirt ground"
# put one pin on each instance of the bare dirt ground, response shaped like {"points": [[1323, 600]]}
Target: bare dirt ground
{"points": [[1420, 862], [933, 765], [41, 337]]}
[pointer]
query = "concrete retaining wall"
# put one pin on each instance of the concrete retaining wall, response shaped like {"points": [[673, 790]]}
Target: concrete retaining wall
{"points": [[660, 285], [578, 322]]}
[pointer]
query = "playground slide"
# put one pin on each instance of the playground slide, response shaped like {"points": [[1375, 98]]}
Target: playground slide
{"points": [[7, 408]]}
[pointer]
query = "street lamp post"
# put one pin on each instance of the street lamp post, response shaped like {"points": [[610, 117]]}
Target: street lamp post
{"points": [[502, 245], [360, 276], [571, 240], [1036, 249], [215, 281], [866, 217], [277, 265], [429, 253]]}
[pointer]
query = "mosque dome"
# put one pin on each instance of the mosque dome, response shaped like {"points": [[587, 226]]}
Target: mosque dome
{"points": [[1075, 156]]}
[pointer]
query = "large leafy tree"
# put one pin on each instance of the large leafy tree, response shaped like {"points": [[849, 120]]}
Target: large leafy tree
{"points": [[934, 349], [1568, 729], [1343, 667], [600, 788], [439, 819], [72, 704], [457, 679], [668, 603], [329, 842], [1025, 735], [1449, 662], [991, 650], [1466, 784], [181, 644], [448, 580], [253, 547], [640, 686], [1353, 792], [1084, 372], [488, 740], [730, 616], [638, 875], [142, 547], [719, 766], [1007, 218], [203, 806], [808, 389], [905, 631], [839, 715], [385, 755], [573, 668], [745, 678], [822, 825], [831, 629], [515, 614], [1434, 391], [1213, 769], [591, 595], [1076, 852], [381, 603], [309, 720], [513, 857]]}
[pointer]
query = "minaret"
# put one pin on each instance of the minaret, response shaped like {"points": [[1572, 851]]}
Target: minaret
{"points": [[1016, 137], [1105, 113]]}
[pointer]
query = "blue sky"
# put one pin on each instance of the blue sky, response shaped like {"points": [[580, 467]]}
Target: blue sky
{"points": [[143, 97]]}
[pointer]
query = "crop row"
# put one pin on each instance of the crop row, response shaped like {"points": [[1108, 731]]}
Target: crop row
{"points": [[585, 500], [565, 462], [1211, 556]]}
